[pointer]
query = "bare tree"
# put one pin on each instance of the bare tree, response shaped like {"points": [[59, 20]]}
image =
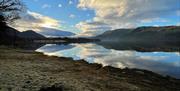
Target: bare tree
{"points": [[10, 10]]}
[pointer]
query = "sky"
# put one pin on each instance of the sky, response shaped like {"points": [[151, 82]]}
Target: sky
{"points": [[93, 17]]}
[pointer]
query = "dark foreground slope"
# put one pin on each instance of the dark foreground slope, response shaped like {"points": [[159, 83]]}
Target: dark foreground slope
{"points": [[22, 70], [9, 35]]}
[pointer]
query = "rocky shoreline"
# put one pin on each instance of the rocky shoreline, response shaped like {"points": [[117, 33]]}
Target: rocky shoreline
{"points": [[22, 70]]}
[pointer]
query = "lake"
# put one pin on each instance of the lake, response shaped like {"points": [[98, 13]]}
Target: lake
{"points": [[162, 62]]}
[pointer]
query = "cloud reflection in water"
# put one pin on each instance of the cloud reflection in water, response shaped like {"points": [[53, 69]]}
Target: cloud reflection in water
{"points": [[166, 63]]}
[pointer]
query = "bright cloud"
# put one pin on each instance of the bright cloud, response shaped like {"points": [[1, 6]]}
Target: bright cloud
{"points": [[35, 21], [70, 2], [126, 13], [92, 28], [60, 5]]}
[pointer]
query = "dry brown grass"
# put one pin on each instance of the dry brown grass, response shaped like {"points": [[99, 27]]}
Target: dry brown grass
{"points": [[22, 70]]}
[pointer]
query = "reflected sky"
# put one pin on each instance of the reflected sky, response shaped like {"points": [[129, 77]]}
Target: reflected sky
{"points": [[165, 63]]}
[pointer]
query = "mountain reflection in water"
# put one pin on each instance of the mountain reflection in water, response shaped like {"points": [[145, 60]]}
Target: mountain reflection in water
{"points": [[165, 63]]}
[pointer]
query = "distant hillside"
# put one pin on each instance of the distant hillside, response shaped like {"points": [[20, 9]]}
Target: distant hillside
{"points": [[30, 35], [55, 33], [142, 39], [168, 33], [9, 35]]}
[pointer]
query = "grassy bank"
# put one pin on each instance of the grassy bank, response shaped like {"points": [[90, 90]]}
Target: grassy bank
{"points": [[22, 70]]}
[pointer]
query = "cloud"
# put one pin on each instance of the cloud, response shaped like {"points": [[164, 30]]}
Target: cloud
{"points": [[178, 24], [153, 20], [46, 6], [92, 28], [35, 21], [128, 13], [60, 5], [72, 16], [51, 32], [70, 2]]}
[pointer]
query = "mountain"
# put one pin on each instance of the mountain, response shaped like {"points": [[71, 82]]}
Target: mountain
{"points": [[9, 35], [50, 32], [167, 33], [30, 35], [142, 39]]}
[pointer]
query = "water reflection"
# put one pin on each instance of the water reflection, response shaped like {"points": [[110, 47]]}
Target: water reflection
{"points": [[51, 48], [166, 63]]}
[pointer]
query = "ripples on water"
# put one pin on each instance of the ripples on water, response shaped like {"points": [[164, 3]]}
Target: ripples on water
{"points": [[165, 63]]}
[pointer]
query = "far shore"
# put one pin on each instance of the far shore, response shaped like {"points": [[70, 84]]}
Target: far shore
{"points": [[23, 70]]}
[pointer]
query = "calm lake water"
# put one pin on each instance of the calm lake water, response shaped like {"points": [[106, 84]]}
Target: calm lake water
{"points": [[165, 63]]}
